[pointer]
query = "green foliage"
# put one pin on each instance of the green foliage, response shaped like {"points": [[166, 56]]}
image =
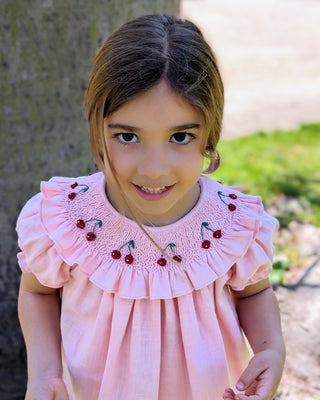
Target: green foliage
{"points": [[278, 270], [271, 164]]}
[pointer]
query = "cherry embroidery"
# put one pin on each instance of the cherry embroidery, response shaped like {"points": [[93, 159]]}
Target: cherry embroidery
{"points": [[216, 234], [128, 259], [90, 236], [81, 224], [206, 244], [84, 188], [115, 254], [162, 261], [231, 206]]}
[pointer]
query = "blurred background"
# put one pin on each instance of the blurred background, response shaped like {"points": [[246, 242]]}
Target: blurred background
{"points": [[269, 56], [268, 53]]}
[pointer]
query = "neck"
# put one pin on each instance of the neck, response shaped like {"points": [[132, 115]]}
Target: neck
{"points": [[153, 220]]}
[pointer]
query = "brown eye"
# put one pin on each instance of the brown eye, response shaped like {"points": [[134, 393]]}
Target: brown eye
{"points": [[182, 138], [127, 138]]}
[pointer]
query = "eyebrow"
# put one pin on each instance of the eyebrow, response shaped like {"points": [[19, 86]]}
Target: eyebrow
{"points": [[129, 128]]}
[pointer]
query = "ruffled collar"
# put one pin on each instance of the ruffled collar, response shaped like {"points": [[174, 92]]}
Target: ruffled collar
{"points": [[117, 256]]}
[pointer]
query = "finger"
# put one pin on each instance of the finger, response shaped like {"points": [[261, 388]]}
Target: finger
{"points": [[259, 390], [228, 394], [245, 397], [254, 369], [252, 389]]}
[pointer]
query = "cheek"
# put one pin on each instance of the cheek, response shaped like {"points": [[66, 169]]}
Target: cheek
{"points": [[191, 162], [115, 154], [123, 162], [113, 162]]}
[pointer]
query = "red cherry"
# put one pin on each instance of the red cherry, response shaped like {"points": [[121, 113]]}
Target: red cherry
{"points": [[74, 185], [206, 244], [217, 234], [116, 254], [81, 224], [177, 258], [232, 207], [72, 195], [128, 259], [162, 262], [233, 196], [91, 236]]}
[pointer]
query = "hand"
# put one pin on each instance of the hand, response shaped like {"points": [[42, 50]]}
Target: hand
{"points": [[47, 389], [260, 379]]}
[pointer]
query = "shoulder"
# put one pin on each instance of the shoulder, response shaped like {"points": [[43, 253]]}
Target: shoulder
{"points": [[60, 188], [246, 232], [228, 203], [72, 185], [214, 187], [238, 214], [232, 199], [47, 228]]}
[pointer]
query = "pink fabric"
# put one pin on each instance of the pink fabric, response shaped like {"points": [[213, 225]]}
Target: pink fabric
{"points": [[141, 330]]}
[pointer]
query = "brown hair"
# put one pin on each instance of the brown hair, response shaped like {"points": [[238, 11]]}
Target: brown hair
{"points": [[136, 57], [140, 54]]}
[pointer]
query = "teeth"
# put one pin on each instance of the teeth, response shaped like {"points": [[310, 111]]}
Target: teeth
{"points": [[153, 190]]}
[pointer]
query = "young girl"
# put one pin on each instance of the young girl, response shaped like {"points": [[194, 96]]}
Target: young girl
{"points": [[139, 281]]}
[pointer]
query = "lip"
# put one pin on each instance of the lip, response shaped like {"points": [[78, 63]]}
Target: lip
{"points": [[153, 196]]}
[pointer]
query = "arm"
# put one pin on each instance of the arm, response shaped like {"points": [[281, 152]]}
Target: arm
{"points": [[39, 315], [259, 318]]}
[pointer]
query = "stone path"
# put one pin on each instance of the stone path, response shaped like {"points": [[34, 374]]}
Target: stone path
{"points": [[269, 55], [300, 310]]}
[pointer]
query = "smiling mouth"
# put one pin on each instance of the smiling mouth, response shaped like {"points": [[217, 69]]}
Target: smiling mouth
{"points": [[153, 190]]}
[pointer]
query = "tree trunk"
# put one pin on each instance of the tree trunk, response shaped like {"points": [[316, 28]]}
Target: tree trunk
{"points": [[46, 52]]}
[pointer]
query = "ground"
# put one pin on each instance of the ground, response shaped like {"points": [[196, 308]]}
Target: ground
{"points": [[270, 63], [300, 310]]}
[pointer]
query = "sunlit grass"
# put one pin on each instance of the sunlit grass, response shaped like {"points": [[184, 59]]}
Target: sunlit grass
{"points": [[271, 164]]}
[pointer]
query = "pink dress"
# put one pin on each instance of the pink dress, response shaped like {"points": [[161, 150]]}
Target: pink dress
{"points": [[134, 325]]}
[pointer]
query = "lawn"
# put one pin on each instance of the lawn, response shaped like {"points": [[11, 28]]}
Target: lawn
{"points": [[276, 164]]}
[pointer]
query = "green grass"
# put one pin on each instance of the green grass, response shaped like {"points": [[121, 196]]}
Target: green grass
{"points": [[276, 163]]}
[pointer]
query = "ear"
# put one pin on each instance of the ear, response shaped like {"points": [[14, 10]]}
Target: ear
{"points": [[214, 163]]}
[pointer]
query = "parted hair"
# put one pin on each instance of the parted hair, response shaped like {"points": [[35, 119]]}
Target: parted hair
{"points": [[140, 54]]}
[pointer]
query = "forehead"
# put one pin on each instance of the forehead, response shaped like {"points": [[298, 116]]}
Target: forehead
{"points": [[160, 106]]}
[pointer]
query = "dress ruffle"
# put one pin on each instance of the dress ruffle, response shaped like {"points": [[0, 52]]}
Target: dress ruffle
{"points": [[40, 255], [53, 247]]}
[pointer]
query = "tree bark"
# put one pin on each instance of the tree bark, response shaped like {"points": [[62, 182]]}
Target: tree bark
{"points": [[46, 52]]}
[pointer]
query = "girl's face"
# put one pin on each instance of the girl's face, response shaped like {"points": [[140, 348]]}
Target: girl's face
{"points": [[154, 144]]}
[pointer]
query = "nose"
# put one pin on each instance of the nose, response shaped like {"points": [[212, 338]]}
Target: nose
{"points": [[154, 162]]}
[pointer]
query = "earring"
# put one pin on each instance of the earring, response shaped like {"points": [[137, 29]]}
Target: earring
{"points": [[214, 164]]}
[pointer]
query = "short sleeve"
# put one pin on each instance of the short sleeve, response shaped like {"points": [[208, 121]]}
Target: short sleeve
{"points": [[39, 254], [256, 264]]}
